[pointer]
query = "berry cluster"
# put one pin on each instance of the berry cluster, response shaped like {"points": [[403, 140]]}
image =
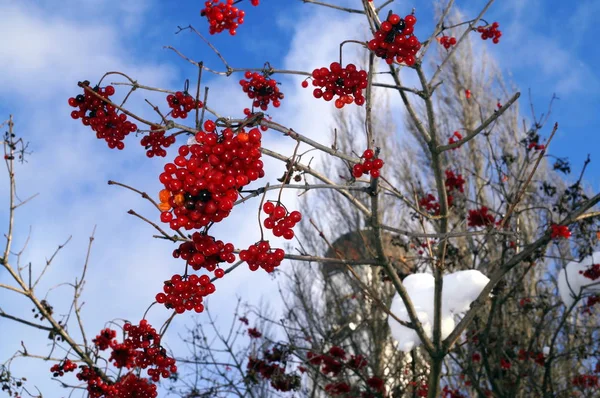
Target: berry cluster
{"points": [[490, 32], [430, 204], [536, 146], [334, 362], [586, 381], [395, 40], [593, 272], [260, 255], [185, 293], [272, 367], [155, 142], [454, 182], [181, 103], [280, 220], [369, 166], [538, 357], [204, 251], [456, 136], [254, 333], [559, 231], [480, 218], [204, 187], [262, 90], [102, 117], [129, 385], [345, 82], [104, 339], [223, 15], [140, 349], [447, 41], [59, 369]]}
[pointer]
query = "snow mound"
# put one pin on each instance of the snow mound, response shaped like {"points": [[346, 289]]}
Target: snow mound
{"points": [[460, 290], [571, 283]]}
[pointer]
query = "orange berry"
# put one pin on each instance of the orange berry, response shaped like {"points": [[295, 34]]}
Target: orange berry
{"points": [[164, 206], [164, 195], [243, 137], [179, 199]]}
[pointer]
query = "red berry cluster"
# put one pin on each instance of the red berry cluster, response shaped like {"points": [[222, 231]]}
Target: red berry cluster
{"points": [[490, 32], [587, 309], [129, 385], [395, 39], [132, 385], [430, 204], [559, 231], [454, 181], [347, 83], [480, 218], [181, 103], [104, 339], [334, 362], [59, 369], [593, 272], [447, 41], [536, 146], [538, 358], [205, 186], [272, 367], [185, 293], [448, 392], [102, 117], [96, 387], [156, 141], [262, 90], [280, 220], [260, 255], [140, 349], [456, 136], [254, 333], [223, 15], [204, 251], [369, 166], [586, 381]]}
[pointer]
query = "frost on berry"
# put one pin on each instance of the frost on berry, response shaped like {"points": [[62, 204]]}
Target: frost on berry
{"points": [[395, 40], [101, 116], [203, 182], [262, 90], [347, 83]]}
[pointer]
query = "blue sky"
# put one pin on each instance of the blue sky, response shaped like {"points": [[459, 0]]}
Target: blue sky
{"points": [[47, 46]]}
